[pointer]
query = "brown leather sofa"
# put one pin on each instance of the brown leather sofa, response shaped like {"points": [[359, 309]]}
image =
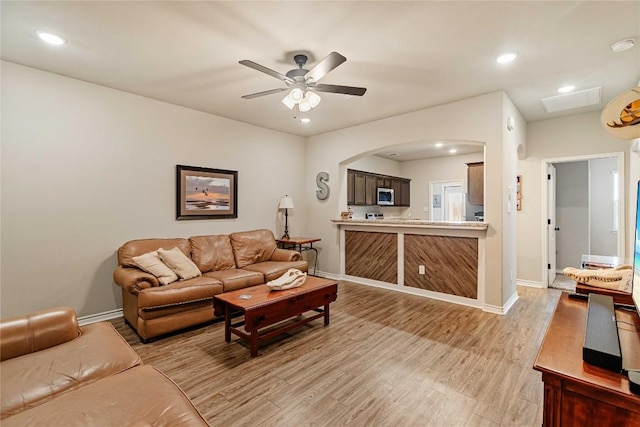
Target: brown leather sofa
{"points": [[54, 373], [227, 263]]}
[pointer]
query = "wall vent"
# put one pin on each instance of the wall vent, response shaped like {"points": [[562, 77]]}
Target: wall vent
{"points": [[572, 100]]}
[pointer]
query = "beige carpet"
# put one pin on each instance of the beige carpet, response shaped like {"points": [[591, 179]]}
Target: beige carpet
{"points": [[564, 283]]}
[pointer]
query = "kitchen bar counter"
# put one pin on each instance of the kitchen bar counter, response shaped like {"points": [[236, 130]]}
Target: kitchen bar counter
{"points": [[451, 225], [441, 260]]}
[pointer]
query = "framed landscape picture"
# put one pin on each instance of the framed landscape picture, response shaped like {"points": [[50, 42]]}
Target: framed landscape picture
{"points": [[203, 193]]}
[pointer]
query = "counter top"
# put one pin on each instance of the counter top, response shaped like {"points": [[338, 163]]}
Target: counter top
{"points": [[460, 225]]}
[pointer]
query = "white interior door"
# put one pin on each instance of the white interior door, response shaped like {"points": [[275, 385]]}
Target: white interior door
{"points": [[453, 202], [551, 224]]}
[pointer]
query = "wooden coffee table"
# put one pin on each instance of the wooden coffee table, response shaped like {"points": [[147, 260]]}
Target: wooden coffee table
{"points": [[263, 307]]}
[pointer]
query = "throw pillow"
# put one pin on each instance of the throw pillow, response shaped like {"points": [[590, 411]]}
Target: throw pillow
{"points": [[179, 263], [152, 264]]}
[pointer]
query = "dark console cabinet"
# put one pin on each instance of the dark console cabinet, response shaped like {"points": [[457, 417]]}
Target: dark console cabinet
{"points": [[575, 392]]}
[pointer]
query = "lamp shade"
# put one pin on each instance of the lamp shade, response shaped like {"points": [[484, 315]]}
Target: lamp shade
{"points": [[290, 103], [286, 203], [313, 98]]}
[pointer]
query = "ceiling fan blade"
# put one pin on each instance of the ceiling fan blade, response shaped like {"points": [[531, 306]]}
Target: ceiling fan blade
{"points": [[266, 92], [266, 70], [327, 64], [346, 90]]}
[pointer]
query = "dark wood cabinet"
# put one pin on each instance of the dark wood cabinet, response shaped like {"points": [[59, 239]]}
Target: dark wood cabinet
{"points": [[384, 181], [370, 191], [475, 183], [351, 194], [362, 188], [359, 188], [575, 392], [395, 185], [405, 192]]}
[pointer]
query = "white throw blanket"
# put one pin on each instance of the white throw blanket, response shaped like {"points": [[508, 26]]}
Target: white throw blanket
{"points": [[618, 278], [291, 279]]}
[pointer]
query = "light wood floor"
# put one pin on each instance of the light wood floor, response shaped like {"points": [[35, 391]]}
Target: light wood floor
{"points": [[386, 359]]}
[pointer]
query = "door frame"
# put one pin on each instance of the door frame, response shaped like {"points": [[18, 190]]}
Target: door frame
{"points": [[545, 204], [454, 183]]}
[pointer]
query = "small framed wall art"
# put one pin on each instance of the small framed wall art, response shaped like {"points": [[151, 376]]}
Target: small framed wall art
{"points": [[204, 193]]}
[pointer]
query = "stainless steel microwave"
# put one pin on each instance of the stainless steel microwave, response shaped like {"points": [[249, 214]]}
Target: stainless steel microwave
{"points": [[385, 196]]}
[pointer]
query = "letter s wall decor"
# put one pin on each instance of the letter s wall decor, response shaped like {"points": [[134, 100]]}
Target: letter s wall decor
{"points": [[323, 188]]}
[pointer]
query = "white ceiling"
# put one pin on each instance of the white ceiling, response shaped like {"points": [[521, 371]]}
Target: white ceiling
{"points": [[410, 55]]}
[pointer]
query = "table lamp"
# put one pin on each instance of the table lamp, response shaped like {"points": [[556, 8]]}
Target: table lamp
{"points": [[286, 203]]}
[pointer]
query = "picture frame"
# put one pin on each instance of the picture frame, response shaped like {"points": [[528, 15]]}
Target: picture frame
{"points": [[205, 193]]}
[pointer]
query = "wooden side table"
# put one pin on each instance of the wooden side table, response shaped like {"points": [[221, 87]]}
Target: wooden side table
{"points": [[301, 244]]}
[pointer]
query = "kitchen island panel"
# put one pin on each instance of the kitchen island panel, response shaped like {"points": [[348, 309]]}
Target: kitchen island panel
{"points": [[372, 255], [451, 264]]}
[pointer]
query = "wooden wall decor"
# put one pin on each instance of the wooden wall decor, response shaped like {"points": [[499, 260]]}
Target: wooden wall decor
{"points": [[451, 264], [372, 255]]}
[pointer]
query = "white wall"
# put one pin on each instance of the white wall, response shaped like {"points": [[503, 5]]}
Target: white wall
{"points": [[422, 172], [514, 142], [86, 168], [603, 240], [576, 135], [572, 213], [479, 119]]}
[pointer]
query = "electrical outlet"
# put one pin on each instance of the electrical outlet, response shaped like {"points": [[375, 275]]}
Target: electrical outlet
{"points": [[510, 275], [425, 209], [421, 269]]}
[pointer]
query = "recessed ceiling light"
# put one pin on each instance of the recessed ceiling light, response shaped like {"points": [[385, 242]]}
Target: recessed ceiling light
{"points": [[453, 151], [50, 37], [623, 45], [566, 89], [439, 144], [305, 120], [506, 58]]}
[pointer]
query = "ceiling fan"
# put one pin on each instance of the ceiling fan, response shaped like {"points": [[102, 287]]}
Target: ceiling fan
{"points": [[303, 84]]}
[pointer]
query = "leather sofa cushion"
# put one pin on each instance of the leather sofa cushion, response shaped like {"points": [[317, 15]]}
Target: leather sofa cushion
{"points": [[35, 378], [182, 292], [139, 396], [36, 331], [139, 247], [236, 278], [274, 269], [250, 247], [211, 253]]}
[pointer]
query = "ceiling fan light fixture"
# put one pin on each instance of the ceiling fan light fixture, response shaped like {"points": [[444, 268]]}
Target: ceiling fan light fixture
{"points": [[296, 94], [290, 103], [304, 106], [312, 98]]}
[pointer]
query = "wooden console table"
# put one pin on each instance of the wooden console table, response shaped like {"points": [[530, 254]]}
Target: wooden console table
{"points": [[577, 393]]}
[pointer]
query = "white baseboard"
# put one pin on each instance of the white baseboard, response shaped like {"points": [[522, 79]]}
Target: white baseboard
{"points": [[530, 284], [327, 275], [415, 291], [496, 309], [100, 317]]}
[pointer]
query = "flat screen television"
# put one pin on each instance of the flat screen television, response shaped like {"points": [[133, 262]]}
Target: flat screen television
{"points": [[634, 374], [635, 290]]}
